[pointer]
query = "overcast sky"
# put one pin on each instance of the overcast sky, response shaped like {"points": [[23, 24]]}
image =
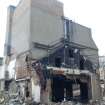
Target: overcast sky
{"points": [[90, 13]]}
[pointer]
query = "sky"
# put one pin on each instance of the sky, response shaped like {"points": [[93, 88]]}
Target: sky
{"points": [[89, 13]]}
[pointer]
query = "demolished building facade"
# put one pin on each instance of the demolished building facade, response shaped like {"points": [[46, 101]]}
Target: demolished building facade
{"points": [[52, 53]]}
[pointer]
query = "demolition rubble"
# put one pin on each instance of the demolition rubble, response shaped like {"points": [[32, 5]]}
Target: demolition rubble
{"points": [[49, 59]]}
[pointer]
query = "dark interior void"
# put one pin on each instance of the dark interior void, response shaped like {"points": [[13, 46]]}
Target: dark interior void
{"points": [[63, 57], [58, 62], [84, 92], [27, 92], [68, 58], [57, 89], [63, 88], [82, 63], [69, 92], [7, 84], [85, 64], [71, 53]]}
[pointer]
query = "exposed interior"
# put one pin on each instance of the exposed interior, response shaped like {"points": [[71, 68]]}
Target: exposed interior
{"points": [[69, 89]]}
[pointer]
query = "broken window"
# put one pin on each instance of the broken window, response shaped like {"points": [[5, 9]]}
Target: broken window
{"points": [[82, 61], [58, 62], [71, 53]]}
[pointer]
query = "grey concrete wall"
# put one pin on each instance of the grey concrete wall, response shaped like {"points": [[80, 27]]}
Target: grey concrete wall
{"points": [[1, 84], [35, 21], [8, 30], [41, 21], [46, 22], [82, 35], [21, 28], [92, 55], [38, 53]]}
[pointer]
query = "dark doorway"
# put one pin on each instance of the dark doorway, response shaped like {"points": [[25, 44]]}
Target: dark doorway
{"points": [[71, 53], [63, 88], [57, 89], [58, 62], [27, 92], [84, 92], [69, 90], [7, 83], [82, 61]]}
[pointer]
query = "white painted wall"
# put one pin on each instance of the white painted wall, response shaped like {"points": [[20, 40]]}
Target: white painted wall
{"points": [[36, 92]]}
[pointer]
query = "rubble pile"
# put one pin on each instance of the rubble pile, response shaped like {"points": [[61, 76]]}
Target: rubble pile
{"points": [[75, 103], [65, 103], [101, 102]]}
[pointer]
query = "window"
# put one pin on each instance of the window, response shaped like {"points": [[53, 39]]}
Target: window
{"points": [[71, 53], [7, 85], [58, 62]]}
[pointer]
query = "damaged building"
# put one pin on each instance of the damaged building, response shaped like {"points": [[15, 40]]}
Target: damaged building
{"points": [[52, 54]]}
